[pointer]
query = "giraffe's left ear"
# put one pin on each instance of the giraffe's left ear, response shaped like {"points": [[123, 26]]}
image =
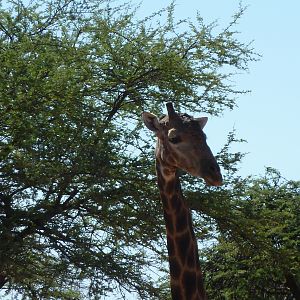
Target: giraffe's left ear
{"points": [[202, 121], [151, 121]]}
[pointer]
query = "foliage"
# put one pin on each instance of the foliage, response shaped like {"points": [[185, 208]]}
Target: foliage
{"points": [[255, 251], [79, 210]]}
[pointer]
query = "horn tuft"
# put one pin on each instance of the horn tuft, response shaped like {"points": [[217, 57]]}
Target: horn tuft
{"points": [[170, 109]]}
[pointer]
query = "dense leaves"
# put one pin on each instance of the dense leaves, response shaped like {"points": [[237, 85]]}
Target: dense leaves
{"points": [[254, 236], [70, 220]]}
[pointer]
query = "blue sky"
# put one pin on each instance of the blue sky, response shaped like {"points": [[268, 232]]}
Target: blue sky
{"points": [[268, 118]]}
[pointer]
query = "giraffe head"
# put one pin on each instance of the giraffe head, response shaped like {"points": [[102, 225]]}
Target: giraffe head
{"points": [[182, 144]]}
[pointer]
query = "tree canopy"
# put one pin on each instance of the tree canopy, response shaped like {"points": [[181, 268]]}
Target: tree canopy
{"points": [[255, 253], [80, 215]]}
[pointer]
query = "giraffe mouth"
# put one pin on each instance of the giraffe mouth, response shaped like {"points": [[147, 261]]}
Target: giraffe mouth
{"points": [[213, 182]]}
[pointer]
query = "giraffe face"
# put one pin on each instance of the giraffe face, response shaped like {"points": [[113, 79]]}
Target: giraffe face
{"points": [[182, 144]]}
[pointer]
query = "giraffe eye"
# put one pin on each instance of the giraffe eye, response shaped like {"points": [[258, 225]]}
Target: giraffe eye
{"points": [[175, 140]]}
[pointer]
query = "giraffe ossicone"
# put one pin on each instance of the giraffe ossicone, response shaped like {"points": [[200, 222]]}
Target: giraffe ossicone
{"points": [[181, 144]]}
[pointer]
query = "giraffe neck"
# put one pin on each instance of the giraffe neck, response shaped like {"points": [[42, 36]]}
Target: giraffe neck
{"points": [[185, 272]]}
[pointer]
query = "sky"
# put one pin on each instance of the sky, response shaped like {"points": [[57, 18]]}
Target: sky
{"points": [[268, 117]]}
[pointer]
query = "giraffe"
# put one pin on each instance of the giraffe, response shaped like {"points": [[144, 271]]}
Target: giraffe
{"points": [[181, 144]]}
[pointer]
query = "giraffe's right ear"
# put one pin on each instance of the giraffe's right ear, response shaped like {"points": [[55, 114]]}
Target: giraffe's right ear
{"points": [[151, 121]]}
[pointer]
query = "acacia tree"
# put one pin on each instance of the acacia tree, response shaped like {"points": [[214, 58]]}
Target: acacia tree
{"points": [[257, 255], [79, 210], [254, 250]]}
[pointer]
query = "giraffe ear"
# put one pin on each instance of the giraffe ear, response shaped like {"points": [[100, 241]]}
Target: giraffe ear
{"points": [[151, 121], [202, 121]]}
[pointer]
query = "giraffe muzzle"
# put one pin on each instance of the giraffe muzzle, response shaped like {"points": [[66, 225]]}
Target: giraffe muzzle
{"points": [[214, 182], [211, 172]]}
